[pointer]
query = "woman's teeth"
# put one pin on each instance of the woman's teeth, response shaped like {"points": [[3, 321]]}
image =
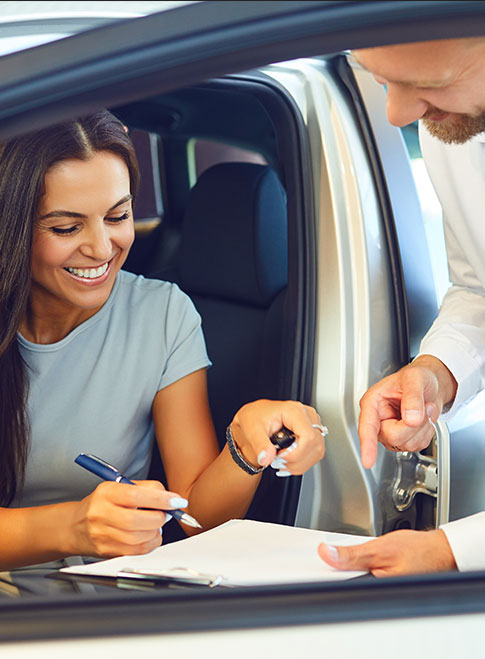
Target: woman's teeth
{"points": [[89, 273]]}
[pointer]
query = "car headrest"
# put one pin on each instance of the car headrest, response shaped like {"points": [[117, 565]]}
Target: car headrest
{"points": [[234, 236]]}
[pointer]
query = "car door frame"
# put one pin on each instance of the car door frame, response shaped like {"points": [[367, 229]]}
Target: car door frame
{"points": [[91, 69]]}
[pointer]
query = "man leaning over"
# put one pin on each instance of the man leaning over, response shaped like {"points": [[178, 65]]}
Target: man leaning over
{"points": [[441, 83]]}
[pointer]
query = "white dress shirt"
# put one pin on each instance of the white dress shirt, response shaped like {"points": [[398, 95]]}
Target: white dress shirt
{"points": [[466, 538], [457, 337]]}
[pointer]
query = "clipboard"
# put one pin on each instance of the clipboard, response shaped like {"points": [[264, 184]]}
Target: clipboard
{"points": [[180, 575], [129, 579], [244, 552]]}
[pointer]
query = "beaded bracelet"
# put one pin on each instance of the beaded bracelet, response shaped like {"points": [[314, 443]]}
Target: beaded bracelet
{"points": [[238, 457]]}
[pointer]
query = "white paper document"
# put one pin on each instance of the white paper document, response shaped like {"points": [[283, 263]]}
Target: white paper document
{"points": [[242, 553]]}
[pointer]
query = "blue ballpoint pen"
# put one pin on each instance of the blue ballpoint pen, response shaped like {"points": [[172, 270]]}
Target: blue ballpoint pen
{"points": [[109, 473]]}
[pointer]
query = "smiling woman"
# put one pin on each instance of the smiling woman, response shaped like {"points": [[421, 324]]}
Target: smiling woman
{"points": [[95, 359], [77, 253], [27, 166]]}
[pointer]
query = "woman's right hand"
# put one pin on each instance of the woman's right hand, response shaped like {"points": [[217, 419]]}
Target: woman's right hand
{"points": [[118, 519]]}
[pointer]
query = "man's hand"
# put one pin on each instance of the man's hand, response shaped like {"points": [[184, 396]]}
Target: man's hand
{"points": [[398, 552], [397, 410]]}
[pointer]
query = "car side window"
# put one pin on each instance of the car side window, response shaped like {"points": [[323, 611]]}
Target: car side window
{"points": [[148, 208], [431, 211], [203, 154]]}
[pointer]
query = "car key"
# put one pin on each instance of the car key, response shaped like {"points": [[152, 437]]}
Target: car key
{"points": [[283, 438]]}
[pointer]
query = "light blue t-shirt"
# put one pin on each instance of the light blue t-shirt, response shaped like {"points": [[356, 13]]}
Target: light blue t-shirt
{"points": [[93, 391]]}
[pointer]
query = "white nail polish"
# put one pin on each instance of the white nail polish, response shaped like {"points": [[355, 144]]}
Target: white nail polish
{"points": [[168, 517], [178, 502], [278, 463], [283, 473], [291, 448], [261, 457]]}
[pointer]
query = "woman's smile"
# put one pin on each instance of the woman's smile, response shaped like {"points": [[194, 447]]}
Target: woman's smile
{"points": [[82, 236], [90, 276]]}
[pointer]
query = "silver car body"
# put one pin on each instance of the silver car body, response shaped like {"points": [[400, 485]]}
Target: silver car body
{"points": [[357, 343]]}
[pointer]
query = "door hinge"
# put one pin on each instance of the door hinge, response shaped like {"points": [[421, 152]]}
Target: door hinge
{"points": [[416, 473]]}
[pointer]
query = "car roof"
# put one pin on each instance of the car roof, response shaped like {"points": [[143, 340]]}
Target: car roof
{"points": [[27, 24]]}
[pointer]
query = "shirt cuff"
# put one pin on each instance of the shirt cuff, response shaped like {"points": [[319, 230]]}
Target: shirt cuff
{"points": [[466, 538], [464, 367]]}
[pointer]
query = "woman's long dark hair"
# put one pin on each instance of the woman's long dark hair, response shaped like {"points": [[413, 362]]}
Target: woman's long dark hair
{"points": [[24, 162]]}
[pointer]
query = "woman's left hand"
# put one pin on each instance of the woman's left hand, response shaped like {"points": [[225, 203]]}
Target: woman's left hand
{"points": [[255, 422]]}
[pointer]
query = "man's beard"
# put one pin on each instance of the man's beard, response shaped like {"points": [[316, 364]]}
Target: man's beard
{"points": [[457, 131]]}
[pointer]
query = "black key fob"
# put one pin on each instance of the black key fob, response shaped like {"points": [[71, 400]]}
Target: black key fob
{"points": [[283, 438]]}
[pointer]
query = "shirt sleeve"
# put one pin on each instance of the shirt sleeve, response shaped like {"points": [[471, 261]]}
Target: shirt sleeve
{"points": [[467, 541], [186, 350], [457, 337]]}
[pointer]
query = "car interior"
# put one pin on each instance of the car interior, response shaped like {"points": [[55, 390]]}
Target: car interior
{"points": [[237, 150], [224, 191]]}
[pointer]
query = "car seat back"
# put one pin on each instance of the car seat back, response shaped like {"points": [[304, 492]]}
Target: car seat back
{"points": [[233, 263]]}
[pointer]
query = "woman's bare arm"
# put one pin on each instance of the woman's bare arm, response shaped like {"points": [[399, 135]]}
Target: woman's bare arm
{"points": [[217, 488], [114, 520]]}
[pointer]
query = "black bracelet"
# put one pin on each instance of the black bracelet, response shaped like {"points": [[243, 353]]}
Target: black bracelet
{"points": [[238, 457]]}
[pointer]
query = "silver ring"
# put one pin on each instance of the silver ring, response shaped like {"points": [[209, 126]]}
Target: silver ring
{"points": [[323, 429]]}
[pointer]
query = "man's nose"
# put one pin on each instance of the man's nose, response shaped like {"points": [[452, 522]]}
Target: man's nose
{"points": [[97, 244], [404, 105]]}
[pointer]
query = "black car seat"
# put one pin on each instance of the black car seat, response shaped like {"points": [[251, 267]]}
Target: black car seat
{"points": [[233, 263]]}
